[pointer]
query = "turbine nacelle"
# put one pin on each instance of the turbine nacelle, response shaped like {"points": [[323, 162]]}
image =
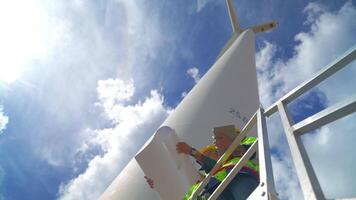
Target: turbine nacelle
{"points": [[235, 24]]}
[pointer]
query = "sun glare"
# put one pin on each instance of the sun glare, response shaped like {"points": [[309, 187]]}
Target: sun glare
{"points": [[21, 37]]}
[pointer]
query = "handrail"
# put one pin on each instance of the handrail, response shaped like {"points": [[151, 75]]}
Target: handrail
{"points": [[309, 183], [323, 74], [264, 156], [326, 116]]}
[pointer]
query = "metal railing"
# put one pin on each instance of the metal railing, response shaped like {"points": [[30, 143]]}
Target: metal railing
{"points": [[308, 181]]}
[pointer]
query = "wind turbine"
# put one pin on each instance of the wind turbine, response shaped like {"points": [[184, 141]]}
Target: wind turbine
{"points": [[226, 94]]}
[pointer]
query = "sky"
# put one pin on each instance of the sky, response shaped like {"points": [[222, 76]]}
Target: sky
{"points": [[84, 83]]}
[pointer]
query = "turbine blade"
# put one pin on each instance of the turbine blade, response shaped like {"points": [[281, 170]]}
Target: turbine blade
{"points": [[233, 17]]}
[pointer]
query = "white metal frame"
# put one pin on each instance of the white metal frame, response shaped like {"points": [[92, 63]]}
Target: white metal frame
{"points": [[306, 175]]}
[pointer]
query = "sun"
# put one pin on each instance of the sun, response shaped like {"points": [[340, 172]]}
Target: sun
{"points": [[21, 38]]}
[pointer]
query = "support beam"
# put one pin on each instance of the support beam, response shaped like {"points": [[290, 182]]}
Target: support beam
{"points": [[326, 116], [266, 172], [307, 178]]}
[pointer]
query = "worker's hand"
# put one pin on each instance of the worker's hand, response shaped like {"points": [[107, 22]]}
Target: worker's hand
{"points": [[150, 182], [183, 147]]}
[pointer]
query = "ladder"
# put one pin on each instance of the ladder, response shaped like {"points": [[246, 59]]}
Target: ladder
{"points": [[308, 181]]}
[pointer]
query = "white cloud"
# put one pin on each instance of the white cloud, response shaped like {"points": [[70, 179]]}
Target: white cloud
{"points": [[194, 73], [133, 124], [330, 150], [93, 45], [112, 91], [4, 120], [286, 182], [202, 3], [313, 11], [330, 34], [184, 94], [267, 72]]}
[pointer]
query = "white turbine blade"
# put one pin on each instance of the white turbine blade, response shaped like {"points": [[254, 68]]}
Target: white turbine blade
{"points": [[233, 17], [264, 27]]}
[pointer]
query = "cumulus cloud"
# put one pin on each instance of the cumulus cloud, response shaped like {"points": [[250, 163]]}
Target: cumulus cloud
{"points": [[133, 124], [194, 73], [3, 120], [201, 4], [313, 11], [288, 187], [93, 40], [330, 34], [184, 94], [329, 142], [267, 71], [113, 91]]}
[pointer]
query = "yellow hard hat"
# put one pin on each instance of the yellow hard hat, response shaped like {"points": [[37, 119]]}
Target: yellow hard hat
{"points": [[208, 148]]}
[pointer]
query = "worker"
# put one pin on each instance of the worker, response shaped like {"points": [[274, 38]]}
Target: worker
{"points": [[242, 185], [244, 182]]}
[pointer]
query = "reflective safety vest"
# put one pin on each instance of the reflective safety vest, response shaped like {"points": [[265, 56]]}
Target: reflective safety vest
{"points": [[220, 176], [248, 141], [222, 172], [191, 191]]}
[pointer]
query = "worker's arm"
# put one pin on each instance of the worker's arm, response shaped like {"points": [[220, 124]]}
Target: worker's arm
{"points": [[185, 148]]}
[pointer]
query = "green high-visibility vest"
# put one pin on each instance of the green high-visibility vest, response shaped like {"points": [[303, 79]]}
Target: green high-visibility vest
{"points": [[220, 175], [248, 141], [191, 191]]}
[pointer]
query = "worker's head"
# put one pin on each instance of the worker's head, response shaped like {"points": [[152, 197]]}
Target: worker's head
{"points": [[224, 136]]}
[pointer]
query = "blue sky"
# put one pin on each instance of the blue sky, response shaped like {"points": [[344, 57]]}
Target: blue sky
{"points": [[79, 80]]}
